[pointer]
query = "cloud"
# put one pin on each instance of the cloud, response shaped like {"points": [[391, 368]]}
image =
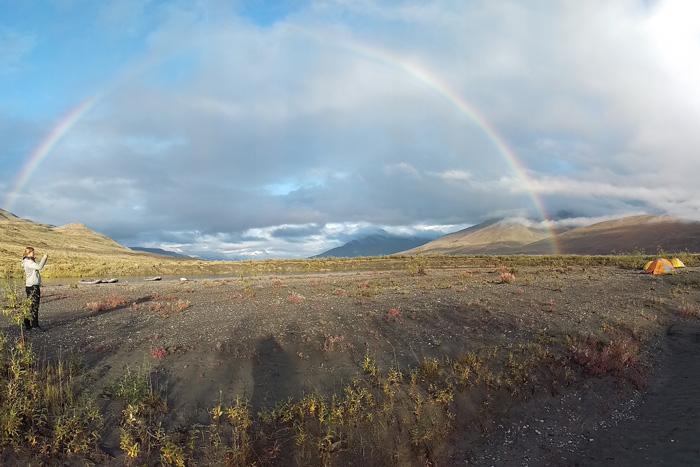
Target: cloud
{"points": [[286, 241], [256, 140]]}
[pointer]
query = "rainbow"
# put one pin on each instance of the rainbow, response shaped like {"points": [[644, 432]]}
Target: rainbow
{"points": [[417, 72], [432, 81], [41, 152]]}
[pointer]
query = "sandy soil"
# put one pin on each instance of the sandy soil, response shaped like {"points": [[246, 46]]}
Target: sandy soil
{"points": [[278, 337]]}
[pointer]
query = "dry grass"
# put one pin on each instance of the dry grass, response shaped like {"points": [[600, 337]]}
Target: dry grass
{"points": [[169, 306], [507, 277], [40, 410], [113, 302], [335, 343], [688, 309], [619, 356]]}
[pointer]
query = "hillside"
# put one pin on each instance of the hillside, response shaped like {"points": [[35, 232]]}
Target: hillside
{"points": [[636, 233], [71, 248], [496, 236], [379, 244], [648, 234]]}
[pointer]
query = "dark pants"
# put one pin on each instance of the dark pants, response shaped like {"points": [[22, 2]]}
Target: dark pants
{"points": [[33, 294]]}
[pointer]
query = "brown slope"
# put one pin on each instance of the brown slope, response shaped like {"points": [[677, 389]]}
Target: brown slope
{"points": [[68, 246], [490, 237], [636, 233]]}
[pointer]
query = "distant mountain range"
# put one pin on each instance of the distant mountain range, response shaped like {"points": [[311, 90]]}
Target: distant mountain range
{"points": [[159, 252], [648, 234], [377, 244], [74, 243]]}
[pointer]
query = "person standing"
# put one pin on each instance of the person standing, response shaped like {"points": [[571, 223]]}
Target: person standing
{"points": [[33, 285]]}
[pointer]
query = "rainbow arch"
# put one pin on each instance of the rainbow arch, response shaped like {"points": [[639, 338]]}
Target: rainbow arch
{"points": [[417, 72], [42, 151]]}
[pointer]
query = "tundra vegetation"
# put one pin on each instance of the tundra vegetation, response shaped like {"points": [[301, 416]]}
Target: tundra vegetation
{"points": [[389, 412]]}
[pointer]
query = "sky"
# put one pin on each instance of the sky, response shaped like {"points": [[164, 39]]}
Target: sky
{"points": [[257, 129]]}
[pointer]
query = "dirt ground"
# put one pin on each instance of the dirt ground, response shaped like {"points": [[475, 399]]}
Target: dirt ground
{"points": [[275, 338]]}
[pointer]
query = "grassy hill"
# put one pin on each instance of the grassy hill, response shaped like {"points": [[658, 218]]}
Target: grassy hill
{"points": [[648, 234], [496, 236], [74, 249]]}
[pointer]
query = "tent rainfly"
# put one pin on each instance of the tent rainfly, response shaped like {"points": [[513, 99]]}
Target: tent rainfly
{"points": [[659, 267]]}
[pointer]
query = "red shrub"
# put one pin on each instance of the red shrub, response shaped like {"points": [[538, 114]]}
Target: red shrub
{"points": [[180, 305], [393, 313], [109, 303], [333, 342], [618, 357], [295, 298], [507, 277], [159, 353]]}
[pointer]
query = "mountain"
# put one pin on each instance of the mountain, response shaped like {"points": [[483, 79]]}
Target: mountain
{"points": [[159, 252], [16, 233], [378, 244], [624, 235], [495, 236], [74, 249], [634, 233]]}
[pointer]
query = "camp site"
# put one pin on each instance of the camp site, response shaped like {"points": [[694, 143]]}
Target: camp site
{"points": [[349, 233]]}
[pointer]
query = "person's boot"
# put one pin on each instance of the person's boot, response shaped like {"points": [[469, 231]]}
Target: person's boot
{"points": [[27, 325], [35, 324]]}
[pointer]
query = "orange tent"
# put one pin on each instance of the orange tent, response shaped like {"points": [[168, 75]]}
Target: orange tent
{"points": [[677, 263], [659, 266]]}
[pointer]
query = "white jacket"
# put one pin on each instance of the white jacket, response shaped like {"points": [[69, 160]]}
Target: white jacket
{"points": [[31, 270]]}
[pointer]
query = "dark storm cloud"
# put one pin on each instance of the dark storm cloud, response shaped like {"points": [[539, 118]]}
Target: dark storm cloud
{"points": [[295, 231]]}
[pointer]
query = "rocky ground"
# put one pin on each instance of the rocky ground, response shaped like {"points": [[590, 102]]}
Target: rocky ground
{"points": [[275, 338]]}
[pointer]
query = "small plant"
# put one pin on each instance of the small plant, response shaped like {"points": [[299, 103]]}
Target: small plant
{"points": [[393, 314], [507, 277], [167, 306], [110, 303], [181, 305], [619, 357], [333, 342], [687, 309], [417, 266], [296, 298], [14, 307], [430, 369], [369, 366], [134, 387], [159, 353], [248, 289]]}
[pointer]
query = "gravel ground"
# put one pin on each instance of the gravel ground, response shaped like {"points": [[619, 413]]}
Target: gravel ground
{"points": [[274, 337]]}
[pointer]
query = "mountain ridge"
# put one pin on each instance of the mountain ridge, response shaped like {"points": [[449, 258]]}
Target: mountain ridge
{"points": [[380, 243], [644, 233]]}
